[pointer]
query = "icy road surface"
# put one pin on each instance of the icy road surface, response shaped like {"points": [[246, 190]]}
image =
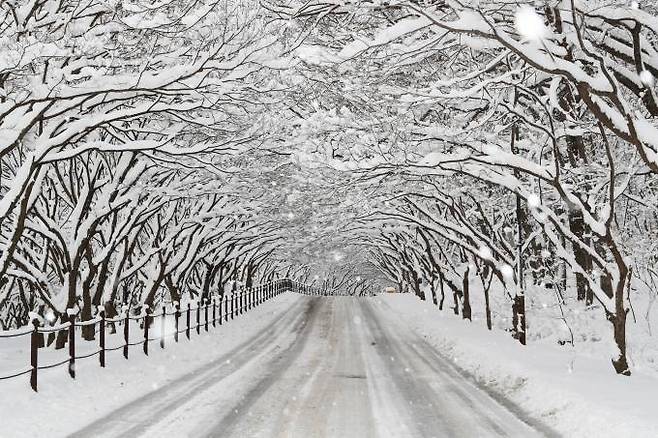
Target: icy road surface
{"points": [[330, 367]]}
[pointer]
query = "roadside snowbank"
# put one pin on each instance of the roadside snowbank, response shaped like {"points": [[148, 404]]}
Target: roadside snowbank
{"points": [[576, 395], [64, 405]]}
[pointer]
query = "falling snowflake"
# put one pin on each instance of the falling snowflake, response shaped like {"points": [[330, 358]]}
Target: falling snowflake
{"points": [[50, 316], [534, 201], [484, 253], [507, 271], [647, 78], [529, 24]]}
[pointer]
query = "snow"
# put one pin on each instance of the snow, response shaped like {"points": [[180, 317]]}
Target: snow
{"points": [[534, 201], [529, 24], [507, 271], [64, 405], [575, 394], [647, 78]]}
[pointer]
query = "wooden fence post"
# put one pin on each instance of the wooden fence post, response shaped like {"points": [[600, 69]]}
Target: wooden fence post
{"points": [[221, 313], [34, 354], [205, 311], [126, 334], [198, 317], [163, 327], [214, 312], [101, 337], [176, 318], [146, 332], [72, 346], [187, 329]]}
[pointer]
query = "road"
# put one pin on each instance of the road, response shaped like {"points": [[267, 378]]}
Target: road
{"points": [[329, 367]]}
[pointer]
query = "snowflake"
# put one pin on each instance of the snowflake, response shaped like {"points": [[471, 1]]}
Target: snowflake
{"points": [[507, 271], [484, 253], [534, 201], [529, 24], [647, 78]]}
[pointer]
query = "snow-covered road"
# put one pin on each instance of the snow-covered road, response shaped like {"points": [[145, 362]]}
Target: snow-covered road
{"points": [[329, 367]]}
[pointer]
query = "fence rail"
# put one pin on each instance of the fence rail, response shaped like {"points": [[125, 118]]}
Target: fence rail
{"points": [[215, 312]]}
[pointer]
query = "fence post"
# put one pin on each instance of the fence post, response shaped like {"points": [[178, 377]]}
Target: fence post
{"points": [[34, 354], [187, 329], [163, 325], [232, 303], [101, 336], [126, 334], [72, 346], [214, 312], [146, 332], [205, 311], [221, 313], [198, 317], [176, 317]]}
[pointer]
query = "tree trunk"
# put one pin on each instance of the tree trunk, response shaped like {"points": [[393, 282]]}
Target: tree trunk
{"points": [[487, 308], [618, 318], [519, 302], [466, 301], [618, 321], [433, 290], [578, 228], [443, 294]]}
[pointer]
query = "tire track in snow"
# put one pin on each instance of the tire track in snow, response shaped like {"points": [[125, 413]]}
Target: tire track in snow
{"points": [[136, 417]]}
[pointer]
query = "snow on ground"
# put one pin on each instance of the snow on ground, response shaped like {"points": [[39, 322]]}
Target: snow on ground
{"points": [[64, 405], [577, 395]]}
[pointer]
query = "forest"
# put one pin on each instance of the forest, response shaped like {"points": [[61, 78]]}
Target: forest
{"points": [[495, 158]]}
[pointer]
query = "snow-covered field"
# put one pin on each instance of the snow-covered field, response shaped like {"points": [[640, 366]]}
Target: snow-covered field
{"points": [[577, 394], [64, 405]]}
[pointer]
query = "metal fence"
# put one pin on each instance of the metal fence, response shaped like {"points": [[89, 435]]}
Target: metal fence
{"points": [[214, 312]]}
